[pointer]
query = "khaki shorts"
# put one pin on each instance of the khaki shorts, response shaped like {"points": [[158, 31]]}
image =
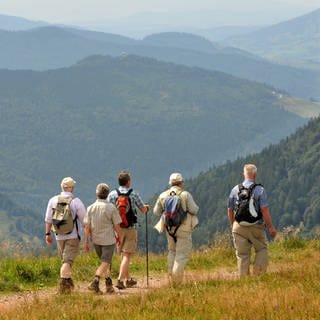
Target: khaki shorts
{"points": [[68, 250], [128, 238]]}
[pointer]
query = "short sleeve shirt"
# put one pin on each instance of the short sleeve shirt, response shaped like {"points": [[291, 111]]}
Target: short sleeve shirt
{"points": [[78, 211], [102, 216], [259, 196]]}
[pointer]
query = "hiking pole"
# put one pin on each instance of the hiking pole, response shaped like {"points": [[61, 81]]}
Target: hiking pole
{"points": [[147, 249]]}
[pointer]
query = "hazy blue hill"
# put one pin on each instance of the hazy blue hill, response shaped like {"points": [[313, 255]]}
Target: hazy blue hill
{"points": [[103, 36], [49, 48], [225, 32], [294, 41], [12, 23], [105, 114], [53, 47], [298, 82], [181, 40]]}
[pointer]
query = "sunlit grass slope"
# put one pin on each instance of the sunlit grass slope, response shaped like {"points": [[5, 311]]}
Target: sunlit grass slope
{"points": [[290, 290]]}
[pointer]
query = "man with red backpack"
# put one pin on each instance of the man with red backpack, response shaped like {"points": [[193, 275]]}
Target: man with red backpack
{"points": [[128, 202]]}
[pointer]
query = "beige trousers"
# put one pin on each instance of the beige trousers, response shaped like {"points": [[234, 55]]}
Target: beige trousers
{"points": [[246, 237], [178, 254]]}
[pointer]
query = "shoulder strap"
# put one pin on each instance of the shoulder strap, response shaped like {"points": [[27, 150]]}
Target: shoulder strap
{"points": [[129, 192], [252, 187], [173, 193], [67, 200], [124, 194]]}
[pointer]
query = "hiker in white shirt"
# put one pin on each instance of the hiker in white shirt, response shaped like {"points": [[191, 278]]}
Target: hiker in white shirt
{"points": [[68, 244]]}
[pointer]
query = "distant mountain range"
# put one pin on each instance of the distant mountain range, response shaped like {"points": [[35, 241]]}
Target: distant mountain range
{"points": [[105, 114], [218, 34], [52, 47], [296, 41], [91, 116], [12, 23]]}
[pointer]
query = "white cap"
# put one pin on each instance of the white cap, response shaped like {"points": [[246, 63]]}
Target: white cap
{"points": [[175, 178]]}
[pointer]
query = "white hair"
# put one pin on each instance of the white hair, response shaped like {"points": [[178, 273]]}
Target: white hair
{"points": [[249, 169]]}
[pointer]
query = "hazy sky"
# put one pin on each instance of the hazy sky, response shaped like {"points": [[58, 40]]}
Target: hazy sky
{"points": [[228, 11]]}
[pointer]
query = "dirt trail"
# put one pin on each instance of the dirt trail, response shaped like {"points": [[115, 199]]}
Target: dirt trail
{"points": [[13, 300]]}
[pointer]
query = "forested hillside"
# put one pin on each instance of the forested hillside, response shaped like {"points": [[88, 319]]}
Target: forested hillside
{"points": [[19, 226], [105, 114], [290, 172]]}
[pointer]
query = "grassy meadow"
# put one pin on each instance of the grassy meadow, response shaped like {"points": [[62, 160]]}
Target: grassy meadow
{"points": [[290, 290]]}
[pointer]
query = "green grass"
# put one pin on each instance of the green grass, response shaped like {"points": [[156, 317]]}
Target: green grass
{"points": [[290, 290]]}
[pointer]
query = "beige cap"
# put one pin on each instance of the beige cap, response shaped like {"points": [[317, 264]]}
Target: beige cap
{"points": [[67, 182], [175, 178]]}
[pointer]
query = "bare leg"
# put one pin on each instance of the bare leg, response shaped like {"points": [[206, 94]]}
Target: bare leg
{"points": [[124, 266]]}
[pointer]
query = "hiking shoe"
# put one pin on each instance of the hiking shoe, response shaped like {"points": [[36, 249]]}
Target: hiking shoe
{"points": [[65, 286], [120, 285], [94, 286], [109, 287], [70, 283], [131, 283]]}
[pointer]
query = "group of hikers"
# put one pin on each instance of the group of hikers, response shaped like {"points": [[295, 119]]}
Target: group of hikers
{"points": [[111, 222]]}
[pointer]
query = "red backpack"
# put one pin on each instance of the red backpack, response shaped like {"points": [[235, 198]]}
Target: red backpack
{"points": [[123, 203]]}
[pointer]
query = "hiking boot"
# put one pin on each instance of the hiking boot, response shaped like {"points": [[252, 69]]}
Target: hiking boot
{"points": [[70, 283], [120, 285], [109, 287], [131, 283], [94, 286], [65, 285]]}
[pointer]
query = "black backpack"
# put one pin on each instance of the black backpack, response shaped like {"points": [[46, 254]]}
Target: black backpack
{"points": [[245, 209]]}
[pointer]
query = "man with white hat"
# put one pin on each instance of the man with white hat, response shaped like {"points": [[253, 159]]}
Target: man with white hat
{"points": [[68, 241], [179, 239]]}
